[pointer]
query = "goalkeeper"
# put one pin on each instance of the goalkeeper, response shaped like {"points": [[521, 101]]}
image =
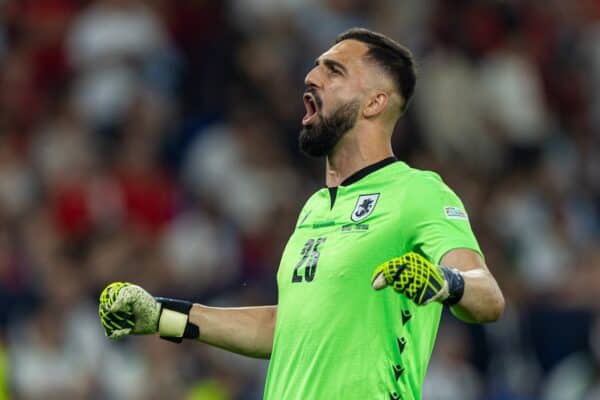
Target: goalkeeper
{"points": [[372, 261]]}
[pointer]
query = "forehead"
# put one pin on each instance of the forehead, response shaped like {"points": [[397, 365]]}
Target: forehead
{"points": [[348, 52]]}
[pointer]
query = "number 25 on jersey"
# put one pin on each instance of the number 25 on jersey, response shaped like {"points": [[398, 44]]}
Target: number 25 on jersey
{"points": [[309, 255]]}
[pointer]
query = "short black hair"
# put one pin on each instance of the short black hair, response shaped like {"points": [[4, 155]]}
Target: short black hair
{"points": [[390, 55]]}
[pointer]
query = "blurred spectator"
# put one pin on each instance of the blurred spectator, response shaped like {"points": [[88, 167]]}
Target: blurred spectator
{"points": [[450, 108], [114, 45], [513, 98], [450, 375], [578, 376], [223, 165], [17, 186]]}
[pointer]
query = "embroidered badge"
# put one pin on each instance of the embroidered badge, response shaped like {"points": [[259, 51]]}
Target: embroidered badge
{"points": [[364, 206]]}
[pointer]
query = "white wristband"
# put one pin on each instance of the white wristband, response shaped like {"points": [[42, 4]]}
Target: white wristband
{"points": [[172, 323]]}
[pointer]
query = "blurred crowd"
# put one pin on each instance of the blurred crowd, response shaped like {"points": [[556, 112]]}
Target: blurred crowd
{"points": [[155, 141]]}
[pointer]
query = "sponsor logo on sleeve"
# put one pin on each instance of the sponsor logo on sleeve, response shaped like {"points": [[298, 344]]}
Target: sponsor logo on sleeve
{"points": [[455, 213]]}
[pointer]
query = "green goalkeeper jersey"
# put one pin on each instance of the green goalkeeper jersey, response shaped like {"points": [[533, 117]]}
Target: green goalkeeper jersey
{"points": [[335, 336]]}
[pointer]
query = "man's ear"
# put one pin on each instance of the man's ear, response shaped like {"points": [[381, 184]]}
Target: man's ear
{"points": [[376, 105]]}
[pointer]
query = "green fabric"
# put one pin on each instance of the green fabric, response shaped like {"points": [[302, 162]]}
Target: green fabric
{"points": [[336, 337], [3, 374]]}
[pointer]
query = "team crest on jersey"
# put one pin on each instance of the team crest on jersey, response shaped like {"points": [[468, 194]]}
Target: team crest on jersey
{"points": [[364, 206]]}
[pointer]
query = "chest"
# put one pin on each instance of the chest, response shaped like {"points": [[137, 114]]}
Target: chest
{"points": [[342, 244]]}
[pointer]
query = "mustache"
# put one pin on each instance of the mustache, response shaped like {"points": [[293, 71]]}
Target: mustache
{"points": [[312, 90]]}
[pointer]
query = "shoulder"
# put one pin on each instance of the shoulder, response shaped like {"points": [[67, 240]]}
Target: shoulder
{"points": [[315, 200], [317, 196], [428, 182], [419, 182], [427, 194]]}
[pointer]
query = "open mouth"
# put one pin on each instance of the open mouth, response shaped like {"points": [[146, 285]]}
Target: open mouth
{"points": [[310, 104]]}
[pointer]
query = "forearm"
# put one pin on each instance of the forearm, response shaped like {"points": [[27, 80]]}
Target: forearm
{"points": [[244, 330], [482, 300]]}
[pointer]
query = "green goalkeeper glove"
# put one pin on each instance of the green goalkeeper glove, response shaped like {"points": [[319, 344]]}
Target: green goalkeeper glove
{"points": [[127, 309], [419, 280]]}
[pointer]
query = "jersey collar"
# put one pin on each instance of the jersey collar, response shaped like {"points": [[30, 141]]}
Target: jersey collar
{"points": [[361, 173]]}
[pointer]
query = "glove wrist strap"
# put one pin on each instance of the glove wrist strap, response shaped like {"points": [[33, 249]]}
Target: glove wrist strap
{"points": [[173, 323], [456, 285]]}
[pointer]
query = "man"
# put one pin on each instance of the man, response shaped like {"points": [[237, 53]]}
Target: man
{"points": [[334, 334]]}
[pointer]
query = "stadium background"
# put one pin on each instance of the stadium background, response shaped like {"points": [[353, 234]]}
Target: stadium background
{"points": [[155, 141]]}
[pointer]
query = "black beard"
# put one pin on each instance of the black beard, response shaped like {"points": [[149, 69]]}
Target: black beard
{"points": [[319, 139]]}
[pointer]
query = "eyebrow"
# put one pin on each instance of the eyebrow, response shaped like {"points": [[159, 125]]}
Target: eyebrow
{"points": [[331, 63]]}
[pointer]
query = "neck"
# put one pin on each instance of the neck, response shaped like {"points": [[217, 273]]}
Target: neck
{"points": [[356, 150]]}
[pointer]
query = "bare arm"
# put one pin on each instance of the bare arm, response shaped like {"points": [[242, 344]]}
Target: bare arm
{"points": [[244, 330], [482, 300]]}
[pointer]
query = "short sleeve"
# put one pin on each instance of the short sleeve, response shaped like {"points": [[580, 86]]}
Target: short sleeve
{"points": [[438, 221]]}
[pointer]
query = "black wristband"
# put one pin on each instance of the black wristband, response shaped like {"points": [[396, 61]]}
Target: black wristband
{"points": [[456, 285], [181, 306]]}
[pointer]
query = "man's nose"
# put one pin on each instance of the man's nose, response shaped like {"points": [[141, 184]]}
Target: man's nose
{"points": [[312, 78]]}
